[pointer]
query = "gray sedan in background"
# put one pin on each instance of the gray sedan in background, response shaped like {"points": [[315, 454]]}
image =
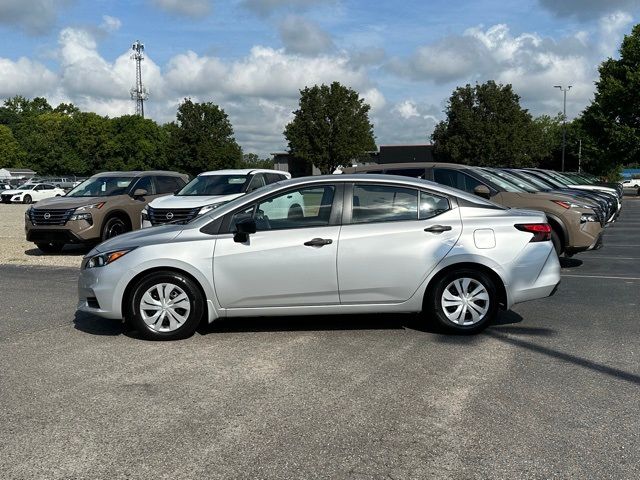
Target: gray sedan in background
{"points": [[360, 245]]}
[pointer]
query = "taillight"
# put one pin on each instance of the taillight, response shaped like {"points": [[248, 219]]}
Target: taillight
{"points": [[541, 231]]}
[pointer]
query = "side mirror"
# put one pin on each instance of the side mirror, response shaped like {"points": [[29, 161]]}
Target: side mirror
{"points": [[244, 228], [482, 191], [139, 192]]}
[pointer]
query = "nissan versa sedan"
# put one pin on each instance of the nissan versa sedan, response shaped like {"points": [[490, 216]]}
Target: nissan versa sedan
{"points": [[361, 244]]}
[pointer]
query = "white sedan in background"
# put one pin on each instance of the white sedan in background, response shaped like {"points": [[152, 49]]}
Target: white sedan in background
{"points": [[31, 192], [362, 244]]}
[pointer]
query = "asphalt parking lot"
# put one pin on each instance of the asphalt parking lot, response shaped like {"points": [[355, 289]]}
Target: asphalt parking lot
{"points": [[551, 391]]}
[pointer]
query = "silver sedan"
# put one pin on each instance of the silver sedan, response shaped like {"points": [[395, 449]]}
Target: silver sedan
{"points": [[358, 244]]}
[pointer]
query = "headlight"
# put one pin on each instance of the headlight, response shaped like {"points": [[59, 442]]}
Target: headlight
{"points": [[145, 215], [208, 208], [564, 204], [106, 258], [89, 207], [82, 216], [588, 217]]}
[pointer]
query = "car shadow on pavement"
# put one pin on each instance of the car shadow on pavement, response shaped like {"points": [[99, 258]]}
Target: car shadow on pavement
{"points": [[85, 322], [68, 251], [566, 262]]}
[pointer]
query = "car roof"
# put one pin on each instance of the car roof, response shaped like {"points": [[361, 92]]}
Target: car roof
{"points": [[242, 171], [417, 165], [137, 173]]}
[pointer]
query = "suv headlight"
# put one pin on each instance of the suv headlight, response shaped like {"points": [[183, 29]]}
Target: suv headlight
{"points": [[102, 259], [564, 204], [84, 208], [588, 217], [208, 208], [144, 214]]}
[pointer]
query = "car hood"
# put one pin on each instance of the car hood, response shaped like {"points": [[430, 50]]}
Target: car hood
{"points": [[140, 238], [185, 201], [69, 202], [13, 192]]}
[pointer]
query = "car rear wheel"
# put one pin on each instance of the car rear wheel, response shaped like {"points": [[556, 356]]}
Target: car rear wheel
{"points": [[27, 199], [464, 301], [113, 227], [50, 247], [166, 306]]}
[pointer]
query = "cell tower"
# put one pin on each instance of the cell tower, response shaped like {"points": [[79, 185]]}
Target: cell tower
{"points": [[138, 93]]}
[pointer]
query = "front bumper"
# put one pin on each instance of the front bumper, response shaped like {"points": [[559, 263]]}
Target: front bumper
{"points": [[99, 291]]}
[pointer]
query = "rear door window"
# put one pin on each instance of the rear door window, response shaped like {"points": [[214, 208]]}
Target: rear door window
{"points": [[383, 203]]}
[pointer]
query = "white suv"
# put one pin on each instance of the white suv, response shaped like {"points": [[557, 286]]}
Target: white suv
{"points": [[208, 191]]}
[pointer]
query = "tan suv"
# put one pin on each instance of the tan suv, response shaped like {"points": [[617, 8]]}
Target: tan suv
{"points": [[575, 227], [101, 207]]}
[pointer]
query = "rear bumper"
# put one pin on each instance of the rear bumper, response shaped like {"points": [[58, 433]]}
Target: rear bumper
{"points": [[528, 283]]}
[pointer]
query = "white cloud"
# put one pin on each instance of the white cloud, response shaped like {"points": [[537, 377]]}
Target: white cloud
{"points": [[300, 35], [33, 16], [612, 28], [25, 77], [110, 24], [190, 8]]}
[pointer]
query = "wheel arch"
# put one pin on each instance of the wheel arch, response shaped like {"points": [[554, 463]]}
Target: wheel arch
{"points": [[503, 300], [558, 225], [128, 291], [121, 214]]}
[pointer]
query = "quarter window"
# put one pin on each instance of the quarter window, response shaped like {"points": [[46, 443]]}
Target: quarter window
{"points": [[383, 203], [432, 205], [302, 208]]}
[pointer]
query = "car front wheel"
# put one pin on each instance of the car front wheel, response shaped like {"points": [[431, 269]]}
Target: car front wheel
{"points": [[113, 227], [27, 199], [166, 306], [464, 301]]}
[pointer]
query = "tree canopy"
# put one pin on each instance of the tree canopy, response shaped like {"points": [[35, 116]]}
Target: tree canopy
{"points": [[331, 127], [485, 125]]}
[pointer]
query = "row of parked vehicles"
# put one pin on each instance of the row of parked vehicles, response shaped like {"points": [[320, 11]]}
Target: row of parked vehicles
{"points": [[577, 206]]}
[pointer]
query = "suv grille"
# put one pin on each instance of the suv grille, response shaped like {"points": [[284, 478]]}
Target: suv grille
{"points": [[6, 198], [160, 216], [50, 216]]}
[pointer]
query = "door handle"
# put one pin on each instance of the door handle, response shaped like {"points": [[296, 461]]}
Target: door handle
{"points": [[318, 242], [438, 228]]}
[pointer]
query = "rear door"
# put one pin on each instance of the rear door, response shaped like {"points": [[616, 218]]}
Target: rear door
{"points": [[391, 239], [290, 260]]}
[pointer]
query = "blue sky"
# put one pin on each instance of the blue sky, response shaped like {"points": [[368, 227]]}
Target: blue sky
{"points": [[252, 56]]}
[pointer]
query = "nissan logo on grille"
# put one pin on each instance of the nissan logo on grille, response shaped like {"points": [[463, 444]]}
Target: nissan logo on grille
{"points": [[169, 215], [47, 216]]}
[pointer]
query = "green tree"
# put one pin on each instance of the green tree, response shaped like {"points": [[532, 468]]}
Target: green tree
{"points": [[331, 127], [202, 139], [252, 160], [485, 125], [11, 153], [136, 144], [611, 123]]}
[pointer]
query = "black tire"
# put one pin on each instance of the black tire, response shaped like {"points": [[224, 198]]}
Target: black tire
{"points": [[113, 227], [188, 327], [50, 247], [433, 301], [557, 242], [27, 199]]}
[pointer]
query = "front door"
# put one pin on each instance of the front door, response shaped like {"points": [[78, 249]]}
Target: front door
{"points": [[290, 260], [393, 240]]}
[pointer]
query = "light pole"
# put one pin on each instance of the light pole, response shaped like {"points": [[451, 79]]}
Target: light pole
{"points": [[564, 119]]}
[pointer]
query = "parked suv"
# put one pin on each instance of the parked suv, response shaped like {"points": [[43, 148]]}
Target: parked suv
{"points": [[575, 226], [207, 191], [101, 207]]}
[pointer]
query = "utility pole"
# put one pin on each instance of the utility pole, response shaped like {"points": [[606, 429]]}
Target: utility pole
{"points": [[564, 119], [138, 93]]}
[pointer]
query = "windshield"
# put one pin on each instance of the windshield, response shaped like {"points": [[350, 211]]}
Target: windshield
{"points": [[532, 179], [214, 185], [102, 187], [526, 186], [508, 186]]}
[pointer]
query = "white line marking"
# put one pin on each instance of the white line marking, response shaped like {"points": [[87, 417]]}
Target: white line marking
{"points": [[617, 258], [601, 276]]}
